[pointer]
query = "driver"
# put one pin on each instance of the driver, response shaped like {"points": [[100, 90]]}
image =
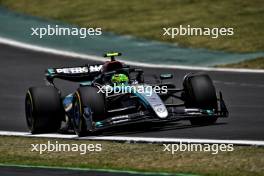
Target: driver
{"points": [[119, 79]]}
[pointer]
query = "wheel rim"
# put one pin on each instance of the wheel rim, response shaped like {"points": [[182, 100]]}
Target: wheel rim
{"points": [[76, 116]]}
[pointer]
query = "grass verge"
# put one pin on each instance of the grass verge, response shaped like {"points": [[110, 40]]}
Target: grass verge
{"points": [[138, 157], [257, 63], [147, 18]]}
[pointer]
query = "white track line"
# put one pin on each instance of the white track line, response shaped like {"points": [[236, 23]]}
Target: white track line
{"points": [[37, 48], [135, 139]]}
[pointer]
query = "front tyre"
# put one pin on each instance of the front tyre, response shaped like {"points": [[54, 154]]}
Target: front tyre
{"points": [[43, 108], [88, 107], [200, 93]]}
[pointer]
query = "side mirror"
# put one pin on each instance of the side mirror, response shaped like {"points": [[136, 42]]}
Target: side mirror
{"points": [[166, 76]]}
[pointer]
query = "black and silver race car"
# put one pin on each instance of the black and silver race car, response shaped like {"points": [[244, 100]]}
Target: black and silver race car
{"points": [[113, 94]]}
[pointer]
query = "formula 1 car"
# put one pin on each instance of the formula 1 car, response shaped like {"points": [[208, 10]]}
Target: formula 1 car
{"points": [[113, 94]]}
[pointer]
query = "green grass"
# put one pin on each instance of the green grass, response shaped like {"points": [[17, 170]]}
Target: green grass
{"points": [[146, 18], [138, 157], [257, 63]]}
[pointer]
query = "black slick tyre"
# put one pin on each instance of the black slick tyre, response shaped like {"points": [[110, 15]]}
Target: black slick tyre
{"points": [[88, 107], [43, 109], [200, 93]]}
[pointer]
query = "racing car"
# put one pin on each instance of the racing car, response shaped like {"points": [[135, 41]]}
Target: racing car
{"points": [[113, 94]]}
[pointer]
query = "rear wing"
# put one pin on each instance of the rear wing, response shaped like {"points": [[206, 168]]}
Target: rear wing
{"points": [[79, 73]]}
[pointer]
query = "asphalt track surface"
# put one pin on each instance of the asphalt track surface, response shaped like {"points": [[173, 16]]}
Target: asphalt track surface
{"points": [[243, 93], [30, 171]]}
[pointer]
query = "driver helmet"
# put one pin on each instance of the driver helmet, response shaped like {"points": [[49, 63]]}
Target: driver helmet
{"points": [[119, 79]]}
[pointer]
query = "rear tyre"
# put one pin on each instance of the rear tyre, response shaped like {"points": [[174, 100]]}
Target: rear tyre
{"points": [[88, 107], [200, 93], [43, 109]]}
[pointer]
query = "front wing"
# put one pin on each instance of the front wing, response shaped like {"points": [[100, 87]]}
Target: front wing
{"points": [[147, 117]]}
